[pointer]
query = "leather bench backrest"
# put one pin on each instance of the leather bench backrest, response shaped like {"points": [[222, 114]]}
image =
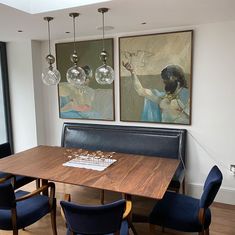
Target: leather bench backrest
{"points": [[161, 142]]}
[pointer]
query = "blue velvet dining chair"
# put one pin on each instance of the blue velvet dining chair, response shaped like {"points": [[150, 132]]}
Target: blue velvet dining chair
{"points": [[21, 209], [185, 213], [110, 219], [17, 181]]}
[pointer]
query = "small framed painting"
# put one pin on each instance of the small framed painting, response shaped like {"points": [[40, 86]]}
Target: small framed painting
{"points": [[91, 101], [156, 77]]}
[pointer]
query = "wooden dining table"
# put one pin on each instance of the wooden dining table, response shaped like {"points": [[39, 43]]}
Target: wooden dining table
{"points": [[130, 174]]}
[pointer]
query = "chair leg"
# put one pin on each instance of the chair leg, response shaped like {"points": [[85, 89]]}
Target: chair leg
{"points": [[53, 220], [183, 186], [102, 197], [130, 224], [207, 231], [38, 183], [15, 232], [152, 228]]}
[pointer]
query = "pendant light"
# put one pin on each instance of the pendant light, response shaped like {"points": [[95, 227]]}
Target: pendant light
{"points": [[75, 75], [50, 76], [104, 74]]}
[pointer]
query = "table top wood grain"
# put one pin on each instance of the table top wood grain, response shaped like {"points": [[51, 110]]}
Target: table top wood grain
{"points": [[130, 174]]}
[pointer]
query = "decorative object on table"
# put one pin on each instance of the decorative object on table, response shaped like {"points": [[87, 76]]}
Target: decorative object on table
{"points": [[185, 213], [50, 76], [97, 160], [104, 74], [91, 100], [155, 77], [75, 75]]}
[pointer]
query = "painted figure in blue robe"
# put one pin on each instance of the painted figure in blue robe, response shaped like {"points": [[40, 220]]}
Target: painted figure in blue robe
{"points": [[170, 105]]}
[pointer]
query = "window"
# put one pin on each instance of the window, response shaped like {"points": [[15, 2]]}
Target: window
{"points": [[5, 114]]}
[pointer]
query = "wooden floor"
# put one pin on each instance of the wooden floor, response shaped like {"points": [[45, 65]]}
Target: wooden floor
{"points": [[223, 216]]}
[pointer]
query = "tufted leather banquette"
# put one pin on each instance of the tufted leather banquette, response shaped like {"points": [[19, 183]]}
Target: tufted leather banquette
{"points": [[161, 142]]}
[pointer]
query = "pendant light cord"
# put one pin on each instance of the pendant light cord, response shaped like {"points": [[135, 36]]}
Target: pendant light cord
{"points": [[103, 30], [49, 37], [74, 34]]}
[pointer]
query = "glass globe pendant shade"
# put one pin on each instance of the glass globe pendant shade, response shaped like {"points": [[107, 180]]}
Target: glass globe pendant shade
{"points": [[104, 74], [76, 76], [51, 76]]}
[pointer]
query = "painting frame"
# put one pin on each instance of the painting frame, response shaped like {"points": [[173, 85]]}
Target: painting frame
{"points": [[142, 101], [102, 105]]}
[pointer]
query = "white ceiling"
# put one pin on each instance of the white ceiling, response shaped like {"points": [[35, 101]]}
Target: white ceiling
{"points": [[124, 16], [34, 7]]}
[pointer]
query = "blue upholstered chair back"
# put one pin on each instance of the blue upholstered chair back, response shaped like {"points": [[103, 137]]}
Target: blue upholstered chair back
{"points": [[211, 187], [7, 196], [102, 219], [5, 150]]}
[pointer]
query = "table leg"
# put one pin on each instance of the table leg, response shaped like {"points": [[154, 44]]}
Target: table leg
{"points": [[43, 183], [102, 196]]}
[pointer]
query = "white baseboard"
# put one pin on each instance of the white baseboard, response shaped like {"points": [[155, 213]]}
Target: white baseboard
{"points": [[225, 195]]}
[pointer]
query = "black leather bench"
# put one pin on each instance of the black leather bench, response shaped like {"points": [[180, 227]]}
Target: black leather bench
{"points": [[162, 142]]}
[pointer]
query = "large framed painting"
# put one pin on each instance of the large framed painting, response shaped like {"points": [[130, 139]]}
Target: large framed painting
{"points": [[156, 77], [91, 101]]}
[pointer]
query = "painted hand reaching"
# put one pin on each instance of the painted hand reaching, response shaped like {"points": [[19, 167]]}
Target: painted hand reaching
{"points": [[128, 66]]}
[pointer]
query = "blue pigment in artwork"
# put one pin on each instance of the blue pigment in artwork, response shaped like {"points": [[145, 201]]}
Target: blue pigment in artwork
{"points": [[91, 114], [76, 114], [151, 111]]}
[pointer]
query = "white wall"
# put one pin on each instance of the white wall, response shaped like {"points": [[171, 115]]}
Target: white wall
{"points": [[22, 94], [52, 123], [211, 135], [38, 92], [3, 132]]}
